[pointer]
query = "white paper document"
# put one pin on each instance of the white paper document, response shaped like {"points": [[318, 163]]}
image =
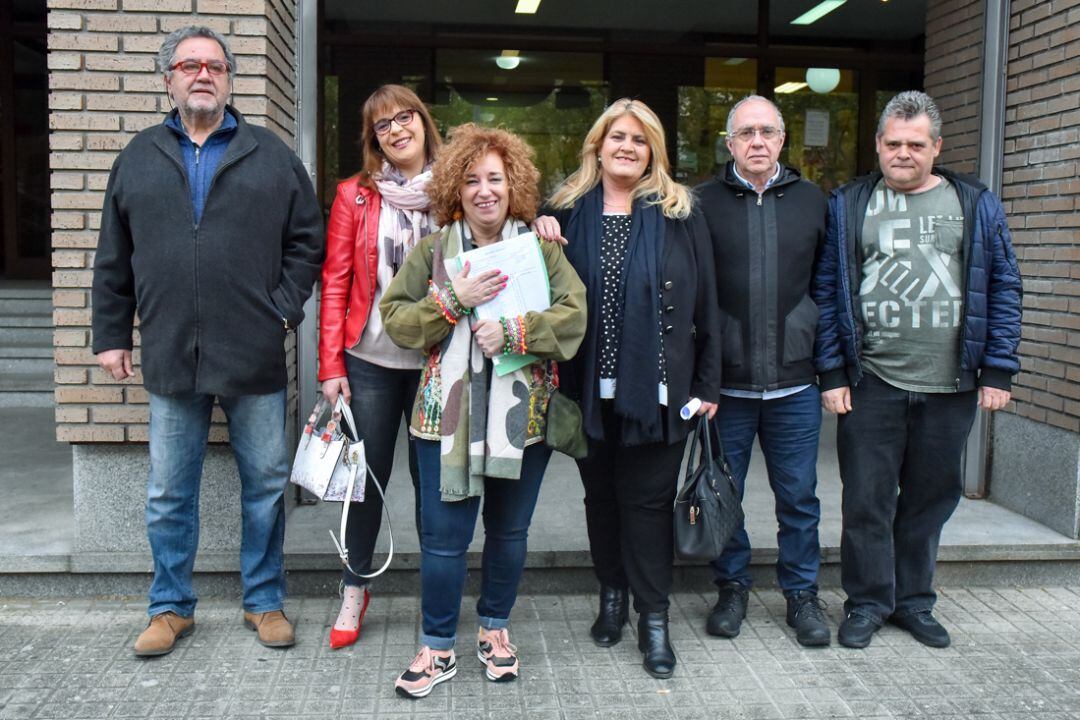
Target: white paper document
{"points": [[527, 287]]}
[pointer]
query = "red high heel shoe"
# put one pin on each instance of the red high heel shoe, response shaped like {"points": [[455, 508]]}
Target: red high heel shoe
{"points": [[344, 638]]}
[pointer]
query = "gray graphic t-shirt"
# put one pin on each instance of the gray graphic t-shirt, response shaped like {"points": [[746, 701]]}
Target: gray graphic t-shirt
{"points": [[911, 298]]}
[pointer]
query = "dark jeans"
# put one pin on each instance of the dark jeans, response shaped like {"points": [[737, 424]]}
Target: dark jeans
{"points": [[380, 398], [788, 429], [900, 466], [629, 494], [448, 530]]}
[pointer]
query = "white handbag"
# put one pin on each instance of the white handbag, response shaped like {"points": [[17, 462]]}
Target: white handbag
{"points": [[327, 462]]}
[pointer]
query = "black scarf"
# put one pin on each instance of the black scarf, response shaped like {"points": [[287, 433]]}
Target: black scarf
{"points": [[636, 403]]}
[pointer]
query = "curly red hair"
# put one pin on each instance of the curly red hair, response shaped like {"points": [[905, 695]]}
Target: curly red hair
{"points": [[465, 146]]}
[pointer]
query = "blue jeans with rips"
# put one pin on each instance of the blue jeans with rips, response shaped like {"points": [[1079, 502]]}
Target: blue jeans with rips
{"points": [[788, 429], [446, 531], [179, 427]]}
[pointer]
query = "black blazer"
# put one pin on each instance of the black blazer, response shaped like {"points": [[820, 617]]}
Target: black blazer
{"points": [[691, 319]]}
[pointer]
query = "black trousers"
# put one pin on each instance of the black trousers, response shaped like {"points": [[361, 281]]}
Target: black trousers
{"points": [[629, 493], [899, 457]]}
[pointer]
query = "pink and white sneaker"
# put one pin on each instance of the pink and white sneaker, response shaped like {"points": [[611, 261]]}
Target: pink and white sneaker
{"points": [[427, 670], [499, 657]]}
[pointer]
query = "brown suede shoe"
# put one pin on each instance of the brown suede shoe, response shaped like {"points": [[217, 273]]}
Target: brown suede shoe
{"points": [[161, 634], [273, 627]]}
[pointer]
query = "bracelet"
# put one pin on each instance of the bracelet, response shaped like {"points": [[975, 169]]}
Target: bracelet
{"points": [[455, 302], [447, 307], [513, 335]]}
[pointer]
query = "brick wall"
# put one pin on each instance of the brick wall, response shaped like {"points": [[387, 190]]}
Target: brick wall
{"points": [[953, 76], [104, 87], [1041, 192]]}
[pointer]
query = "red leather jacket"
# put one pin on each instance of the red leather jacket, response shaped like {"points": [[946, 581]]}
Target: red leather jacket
{"points": [[348, 274]]}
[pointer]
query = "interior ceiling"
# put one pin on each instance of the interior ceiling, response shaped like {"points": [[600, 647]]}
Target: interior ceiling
{"points": [[864, 19]]}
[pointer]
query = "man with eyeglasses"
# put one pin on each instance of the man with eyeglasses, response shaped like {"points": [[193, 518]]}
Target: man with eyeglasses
{"points": [[211, 232], [920, 324], [768, 226]]}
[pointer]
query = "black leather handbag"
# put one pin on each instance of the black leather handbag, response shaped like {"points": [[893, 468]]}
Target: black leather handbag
{"points": [[708, 507]]}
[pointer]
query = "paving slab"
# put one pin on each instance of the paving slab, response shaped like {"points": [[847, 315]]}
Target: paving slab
{"points": [[1015, 654]]}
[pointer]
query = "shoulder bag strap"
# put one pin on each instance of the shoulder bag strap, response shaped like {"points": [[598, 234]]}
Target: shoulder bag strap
{"points": [[352, 457]]}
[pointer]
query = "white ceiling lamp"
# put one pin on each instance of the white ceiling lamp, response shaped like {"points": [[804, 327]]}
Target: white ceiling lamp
{"points": [[527, 7], [509, 59], [817, 12], [822, 80], [789, 87]]}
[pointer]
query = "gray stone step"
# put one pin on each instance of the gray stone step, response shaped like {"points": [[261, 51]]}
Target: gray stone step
{"points": [[26, 306], [25, 291], [42, 366], [33, 321], [25, 350], [19, 399], [37, 336], [26, 382]]}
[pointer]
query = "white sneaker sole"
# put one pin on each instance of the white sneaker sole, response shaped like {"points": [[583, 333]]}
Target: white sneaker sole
{"points": [[487, 670], [404, 692]]}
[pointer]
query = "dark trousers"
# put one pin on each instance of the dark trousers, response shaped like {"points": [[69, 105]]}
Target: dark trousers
{"points": [[629, 494], [900, 467], [788, 428], [381, 397]]}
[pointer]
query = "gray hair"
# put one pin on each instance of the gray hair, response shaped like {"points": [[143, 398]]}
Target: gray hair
{"points": [[908, 105], [731, 115], [167, 53]]}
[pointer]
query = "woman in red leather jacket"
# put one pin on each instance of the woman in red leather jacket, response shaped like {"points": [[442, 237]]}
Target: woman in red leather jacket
{"points": [[377, 218]]}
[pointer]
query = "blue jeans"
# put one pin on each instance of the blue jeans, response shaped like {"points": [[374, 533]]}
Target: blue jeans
{"points": [[179, 426], [381, 397], [788, 429], [447, 530], [900, 466]]}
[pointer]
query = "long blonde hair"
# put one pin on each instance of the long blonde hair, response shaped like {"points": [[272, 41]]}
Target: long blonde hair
{"points": [[675, 200]]}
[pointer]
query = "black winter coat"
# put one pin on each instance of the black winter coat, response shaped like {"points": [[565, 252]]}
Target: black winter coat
{"points": [[689, 320], [766, 248], [212, 298]]}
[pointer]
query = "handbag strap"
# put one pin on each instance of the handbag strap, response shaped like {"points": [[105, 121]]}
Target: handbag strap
{"points": [[343, 551]]}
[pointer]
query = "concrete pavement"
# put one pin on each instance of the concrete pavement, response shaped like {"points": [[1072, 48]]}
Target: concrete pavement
{"points": [[1015, 656]]}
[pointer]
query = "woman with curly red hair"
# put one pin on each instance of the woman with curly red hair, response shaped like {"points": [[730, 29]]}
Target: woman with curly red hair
{"points": [[478, 433], [378, 217]]}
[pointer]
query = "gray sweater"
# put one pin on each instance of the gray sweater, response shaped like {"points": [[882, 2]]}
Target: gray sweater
{"points": [[212, 298]]}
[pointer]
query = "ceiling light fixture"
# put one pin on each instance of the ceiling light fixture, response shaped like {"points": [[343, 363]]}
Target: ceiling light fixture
{"points": [[527, 7], [509, 59], [817, 12], [789, 87], [822, 80], [492, 99]]}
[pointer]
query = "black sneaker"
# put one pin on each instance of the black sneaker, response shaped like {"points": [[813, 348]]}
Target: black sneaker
{"points": [[806, 613], [924, 627], [856, 631], [727, 615]]}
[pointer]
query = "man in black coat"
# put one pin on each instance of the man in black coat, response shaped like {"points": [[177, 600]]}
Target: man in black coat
{"points": [[768, 226], [211, 232]]}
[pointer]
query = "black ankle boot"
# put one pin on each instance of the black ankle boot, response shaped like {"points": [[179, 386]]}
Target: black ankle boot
{"points": [[653, 640], [614, 612]]}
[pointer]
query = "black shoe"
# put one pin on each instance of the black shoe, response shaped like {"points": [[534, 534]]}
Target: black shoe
{"points": [[614, 612], [652, 628], [924, 627], [806, 613], [727, 614], [856, 631]]}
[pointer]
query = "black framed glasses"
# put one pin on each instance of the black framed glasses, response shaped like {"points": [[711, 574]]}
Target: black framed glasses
{"points": [[217, 68], [403, 118]]}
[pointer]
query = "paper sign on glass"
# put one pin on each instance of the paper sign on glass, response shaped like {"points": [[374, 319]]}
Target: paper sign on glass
{"points": [[527, 285]]}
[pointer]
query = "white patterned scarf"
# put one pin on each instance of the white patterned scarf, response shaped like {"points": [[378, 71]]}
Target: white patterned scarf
{"points": [[399, 231]]}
